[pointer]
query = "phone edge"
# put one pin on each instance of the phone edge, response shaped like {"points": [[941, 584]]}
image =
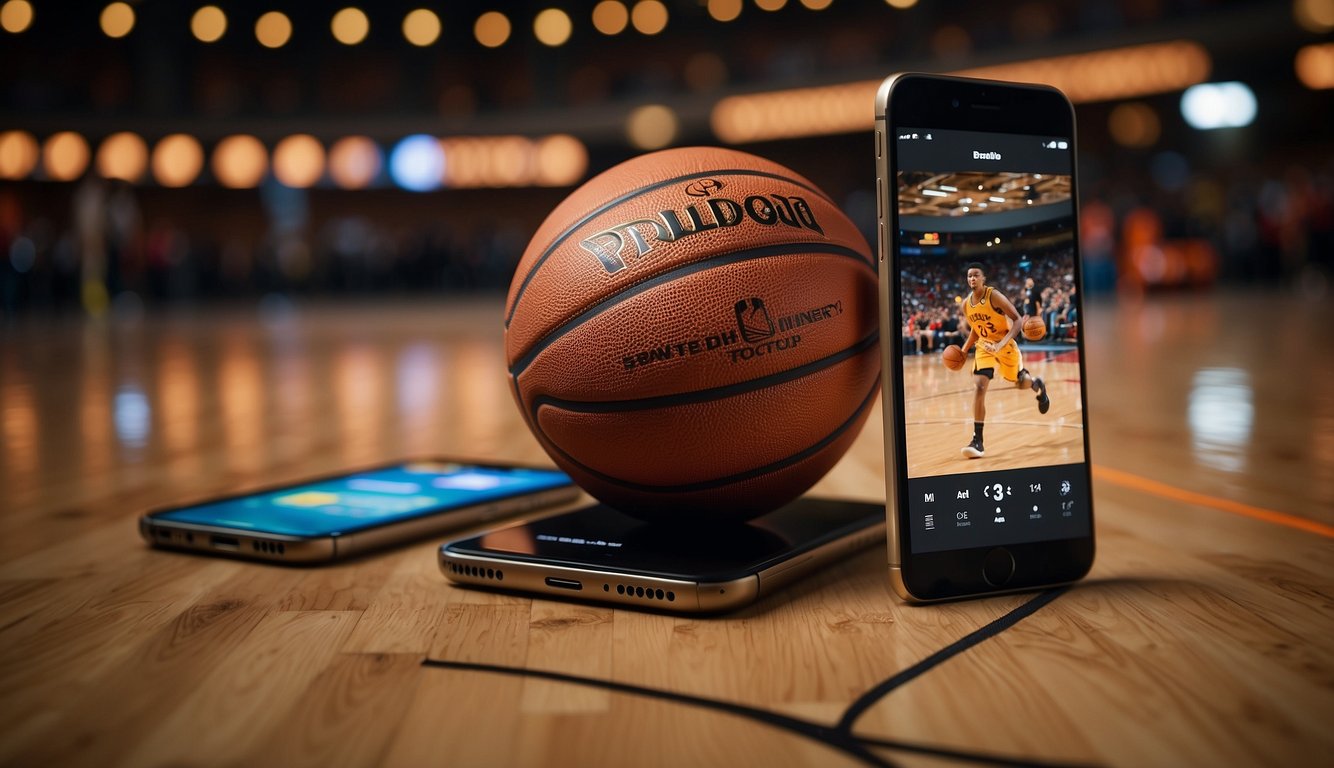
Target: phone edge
{"points": [[200, 538]]}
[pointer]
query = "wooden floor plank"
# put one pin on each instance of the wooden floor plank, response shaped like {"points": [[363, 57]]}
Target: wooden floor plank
{"points": [[258, 684], [1202, 636], [349, 715]]}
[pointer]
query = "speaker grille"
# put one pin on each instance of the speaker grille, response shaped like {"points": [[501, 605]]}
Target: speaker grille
{"points": [[641, 592], [477, 572]]}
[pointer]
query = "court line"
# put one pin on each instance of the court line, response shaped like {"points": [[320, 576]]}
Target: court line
{"points": [[839, 736], [1153, 487]]}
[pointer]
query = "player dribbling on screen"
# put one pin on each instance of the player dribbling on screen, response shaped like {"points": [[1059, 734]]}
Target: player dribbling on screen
{"points": [[993, 323]]}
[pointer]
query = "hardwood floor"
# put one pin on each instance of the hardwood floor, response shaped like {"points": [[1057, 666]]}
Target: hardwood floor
{"points": [[1204, 635]]}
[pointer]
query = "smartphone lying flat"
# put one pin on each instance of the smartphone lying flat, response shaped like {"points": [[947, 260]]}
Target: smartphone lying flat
{"points": [[981, 310], [334, 517], [598, 554]]}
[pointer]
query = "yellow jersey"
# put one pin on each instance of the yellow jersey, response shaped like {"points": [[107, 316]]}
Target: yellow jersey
{"points": [[990, 323]]}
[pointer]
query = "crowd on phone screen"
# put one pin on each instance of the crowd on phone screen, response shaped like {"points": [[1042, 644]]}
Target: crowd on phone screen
{"points": [[932, 319]]}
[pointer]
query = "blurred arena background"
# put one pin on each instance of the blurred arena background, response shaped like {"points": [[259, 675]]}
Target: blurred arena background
{"points": [[157, 153]]}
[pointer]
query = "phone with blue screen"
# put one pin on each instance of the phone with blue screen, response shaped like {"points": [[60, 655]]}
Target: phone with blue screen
{"points": [[334, 517]]}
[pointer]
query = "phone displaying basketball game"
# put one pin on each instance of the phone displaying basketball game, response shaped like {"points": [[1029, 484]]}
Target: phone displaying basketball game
{"points": [[989, 322], [983, 316]]}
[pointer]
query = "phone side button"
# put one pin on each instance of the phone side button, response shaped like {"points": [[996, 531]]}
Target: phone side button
{"points": [[998, 567], [880, 199]]}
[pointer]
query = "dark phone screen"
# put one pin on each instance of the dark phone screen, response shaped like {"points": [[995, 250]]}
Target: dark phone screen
{"points": [[600, 537], [359, 500], [1000, 205]]}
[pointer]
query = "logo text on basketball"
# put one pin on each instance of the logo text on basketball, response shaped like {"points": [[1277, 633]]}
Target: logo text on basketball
{"points": [[716, 213]]}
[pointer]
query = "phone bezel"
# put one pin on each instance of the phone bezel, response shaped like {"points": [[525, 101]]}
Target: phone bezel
{"points": [[712, 592], [913, 100], [296, 548]]}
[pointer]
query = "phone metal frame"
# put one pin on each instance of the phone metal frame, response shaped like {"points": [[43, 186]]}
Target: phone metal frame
{"points": [[688, 596], [287, 548], [887, 217]]}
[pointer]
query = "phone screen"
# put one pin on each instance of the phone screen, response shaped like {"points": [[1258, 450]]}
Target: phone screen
{"points": [[601, 537], [360, 500], [986, 231]]}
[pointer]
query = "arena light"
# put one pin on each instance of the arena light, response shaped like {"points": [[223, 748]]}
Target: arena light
{"points": [[799, 112], [208, 24], [653, 126], [817, 5], [354, 162], [65, 156], [901, 5], [649, 17], [513, 161], [122, 156], [273, 29], [561, 160], [1218, 105], [421, 27], [611, 17], [16, 16], [417, 163], [18, 154], [239, 162], [724, 10], [1118, 73], [298, 161], [552, 27], [177, 160], [770, 5], [350, 26], [117, 20], [1315, 66], [1314, 15], [492, 29], [1134, 124]]}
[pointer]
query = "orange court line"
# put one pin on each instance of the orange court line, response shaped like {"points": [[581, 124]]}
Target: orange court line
{"points": [[1138, 483]]}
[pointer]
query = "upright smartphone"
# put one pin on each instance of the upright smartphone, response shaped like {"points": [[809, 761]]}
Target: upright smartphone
{"points": [[986, 438], [330, 518], [598, 554]]}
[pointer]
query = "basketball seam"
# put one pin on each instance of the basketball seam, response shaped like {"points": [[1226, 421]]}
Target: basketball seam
{"points": [[636, 288], [632, 194], [713, 393], [750, 474]]}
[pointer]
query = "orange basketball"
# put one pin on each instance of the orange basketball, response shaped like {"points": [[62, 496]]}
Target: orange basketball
{"points": [[693, 335], [953, 357], [1034, 329]]}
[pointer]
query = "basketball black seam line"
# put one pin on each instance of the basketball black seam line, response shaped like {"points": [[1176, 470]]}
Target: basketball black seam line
{"points": [[632, 194], [638, 287], [712, 393], [750, 474]]}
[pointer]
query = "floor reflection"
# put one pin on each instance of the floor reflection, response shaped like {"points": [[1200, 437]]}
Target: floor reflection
{"points": [[1221, 415]]}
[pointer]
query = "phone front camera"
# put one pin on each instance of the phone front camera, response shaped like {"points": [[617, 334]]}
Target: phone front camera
{"points": [[954, 103]]}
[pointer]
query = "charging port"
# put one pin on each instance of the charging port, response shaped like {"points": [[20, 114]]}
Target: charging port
{"points": [[564, 583], [225, 542]]}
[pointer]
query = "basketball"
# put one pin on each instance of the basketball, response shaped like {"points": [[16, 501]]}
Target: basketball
{"points": [[1034, 329], [953, 357], [693, 336]]}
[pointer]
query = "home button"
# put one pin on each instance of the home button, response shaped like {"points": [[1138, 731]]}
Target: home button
{"points": [[998, 567]]}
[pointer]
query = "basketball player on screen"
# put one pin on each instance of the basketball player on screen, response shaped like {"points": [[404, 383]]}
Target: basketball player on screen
{"points": [[993, 323]]}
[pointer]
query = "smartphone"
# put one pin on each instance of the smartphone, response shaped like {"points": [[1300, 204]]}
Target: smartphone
{"points": [[986, 440], [601, 555], [334, 517]]}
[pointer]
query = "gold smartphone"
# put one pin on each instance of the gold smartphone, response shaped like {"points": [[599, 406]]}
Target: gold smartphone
{"points": [[987, 476], [601, 555], [338, 516]]}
